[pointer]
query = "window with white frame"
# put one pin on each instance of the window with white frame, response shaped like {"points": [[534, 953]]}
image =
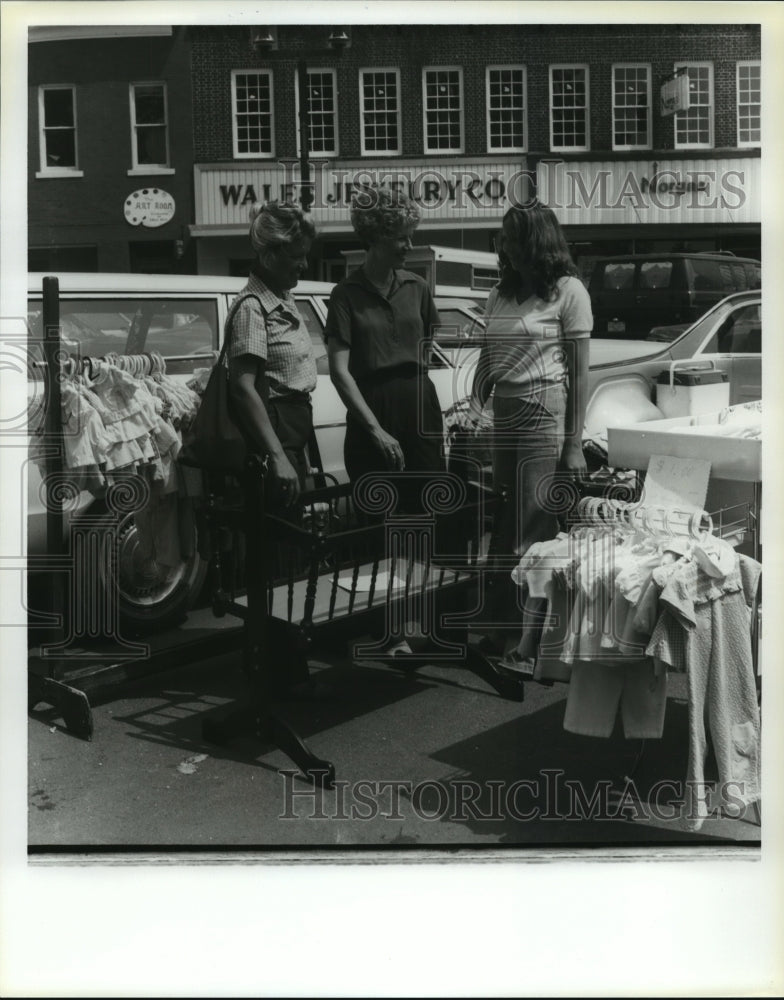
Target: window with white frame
{"points": [[506, 100], [694, 127], [149, 126], [57, 130], [631, 106], [322, 111], [749, 104], [379, 99], [252, 114], [569, 108], [443, 109]]}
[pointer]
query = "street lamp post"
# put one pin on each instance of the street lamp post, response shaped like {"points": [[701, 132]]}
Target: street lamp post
{"points": [[266, 40]]}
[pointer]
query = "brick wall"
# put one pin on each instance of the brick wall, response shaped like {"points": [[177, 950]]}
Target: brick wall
{"points": [[89, 209], [218, 50]]}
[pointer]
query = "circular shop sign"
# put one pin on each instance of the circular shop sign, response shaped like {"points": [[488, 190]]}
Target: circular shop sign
{"points": [[149, 207]]}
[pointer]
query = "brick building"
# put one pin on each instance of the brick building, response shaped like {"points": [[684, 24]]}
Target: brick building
{"points": [[471, 117], [110, 149]]}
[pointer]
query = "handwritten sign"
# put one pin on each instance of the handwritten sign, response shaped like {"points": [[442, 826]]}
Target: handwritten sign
{"points": [[676, 483]]}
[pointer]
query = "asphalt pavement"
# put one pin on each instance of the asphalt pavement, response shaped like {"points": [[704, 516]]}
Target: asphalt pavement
{"points": [[431, 758]]}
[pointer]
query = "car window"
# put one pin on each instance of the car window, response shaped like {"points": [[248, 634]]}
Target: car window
{"points": [[753, 275], [739, 333], [455, 324], [706, 276], [97, 327], [307, 311], [656, 274], [617, 276]]}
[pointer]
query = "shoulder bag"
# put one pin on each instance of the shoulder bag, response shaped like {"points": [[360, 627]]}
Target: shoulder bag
{"points": [[214, 442]]}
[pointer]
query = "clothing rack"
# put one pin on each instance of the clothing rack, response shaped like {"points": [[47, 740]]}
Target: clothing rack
{"points": [[47, 672], [134, 364]]}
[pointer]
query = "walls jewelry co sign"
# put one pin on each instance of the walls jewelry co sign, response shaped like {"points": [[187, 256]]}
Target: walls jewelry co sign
{"points": [[477, 192]]}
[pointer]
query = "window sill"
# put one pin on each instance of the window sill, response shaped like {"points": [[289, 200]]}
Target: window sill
{"points": [[150, 171], [48, 174]]}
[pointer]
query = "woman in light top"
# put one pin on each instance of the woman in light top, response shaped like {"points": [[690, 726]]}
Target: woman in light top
{"points": [[534, 360]]}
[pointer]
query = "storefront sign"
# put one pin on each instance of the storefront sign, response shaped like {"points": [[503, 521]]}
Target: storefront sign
{"points": [[674, 95], [149, 207], [465, 192], [643, 191]]}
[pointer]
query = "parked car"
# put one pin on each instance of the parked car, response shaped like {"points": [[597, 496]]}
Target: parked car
{"points": [[634, 293], [182, 318]]}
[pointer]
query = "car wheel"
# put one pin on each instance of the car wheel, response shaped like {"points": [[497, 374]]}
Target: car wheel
{"points": [[150, 597]]}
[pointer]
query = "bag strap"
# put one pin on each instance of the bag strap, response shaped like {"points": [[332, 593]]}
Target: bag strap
{"points": [[229, 325]]}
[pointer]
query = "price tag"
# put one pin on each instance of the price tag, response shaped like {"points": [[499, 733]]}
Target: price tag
{"points": [[676, 483]]}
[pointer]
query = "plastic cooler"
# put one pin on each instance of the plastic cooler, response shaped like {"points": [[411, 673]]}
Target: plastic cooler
{"points": [[689, 390]]}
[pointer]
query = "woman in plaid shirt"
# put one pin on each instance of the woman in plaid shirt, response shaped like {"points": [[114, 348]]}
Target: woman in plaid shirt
{"points": [[272, 367]]}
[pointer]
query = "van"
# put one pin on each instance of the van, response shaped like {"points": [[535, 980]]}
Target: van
{"points": [[632, 294]]}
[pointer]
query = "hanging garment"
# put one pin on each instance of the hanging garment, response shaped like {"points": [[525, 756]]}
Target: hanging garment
{"points": [[705, 630]]}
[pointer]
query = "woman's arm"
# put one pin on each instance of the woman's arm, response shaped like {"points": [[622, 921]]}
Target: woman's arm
{"points": [[338, 353], [252, 414], [572, 458]]}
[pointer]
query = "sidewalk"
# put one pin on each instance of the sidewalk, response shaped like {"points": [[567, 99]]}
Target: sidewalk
{"points": [[423, 760]]}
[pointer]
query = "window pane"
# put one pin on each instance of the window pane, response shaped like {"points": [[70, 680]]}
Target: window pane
{"points": [[58, 108], [321, 108], [253, 112], [151, 144], [656, 274], [505, 108], [149, 105], [60, 148], [569, 110], [442, 96], [693, 127], [380, 111]]}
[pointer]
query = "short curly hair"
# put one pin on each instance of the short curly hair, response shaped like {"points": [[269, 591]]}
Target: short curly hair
{"points": [[378, 211], [274, 224]]}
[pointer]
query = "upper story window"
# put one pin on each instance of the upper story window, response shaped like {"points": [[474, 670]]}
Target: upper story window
{"points": [[749, 104], [694, 127], [322, 112], [252, 114], [506, 101], [59, 154], [631, 106], [569, 108], [149, 128], [379, 99], [443, 109]]}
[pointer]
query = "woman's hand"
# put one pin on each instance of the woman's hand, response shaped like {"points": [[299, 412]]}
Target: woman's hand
{"points": [[573, 460], [283, 479], [388, 445]]}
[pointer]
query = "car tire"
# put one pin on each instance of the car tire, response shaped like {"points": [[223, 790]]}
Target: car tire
{"points": [[147, 604]]}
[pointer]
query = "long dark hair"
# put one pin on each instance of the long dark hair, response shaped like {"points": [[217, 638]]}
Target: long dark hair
{"points": [[545, 253]]}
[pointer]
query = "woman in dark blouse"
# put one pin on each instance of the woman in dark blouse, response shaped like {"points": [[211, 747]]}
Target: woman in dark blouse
{"points": [[379, 327]]}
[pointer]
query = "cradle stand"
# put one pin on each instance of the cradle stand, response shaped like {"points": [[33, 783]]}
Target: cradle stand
{"points": [[262, 649]]}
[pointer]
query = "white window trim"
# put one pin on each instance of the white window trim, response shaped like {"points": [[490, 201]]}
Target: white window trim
{"points": [[712, 107], [139, 169], [47, 171], [257, 71], [745, 143], [327, 152], [647, 68], [443, 152], [398, 148], [572, 149], [507, 149]]}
